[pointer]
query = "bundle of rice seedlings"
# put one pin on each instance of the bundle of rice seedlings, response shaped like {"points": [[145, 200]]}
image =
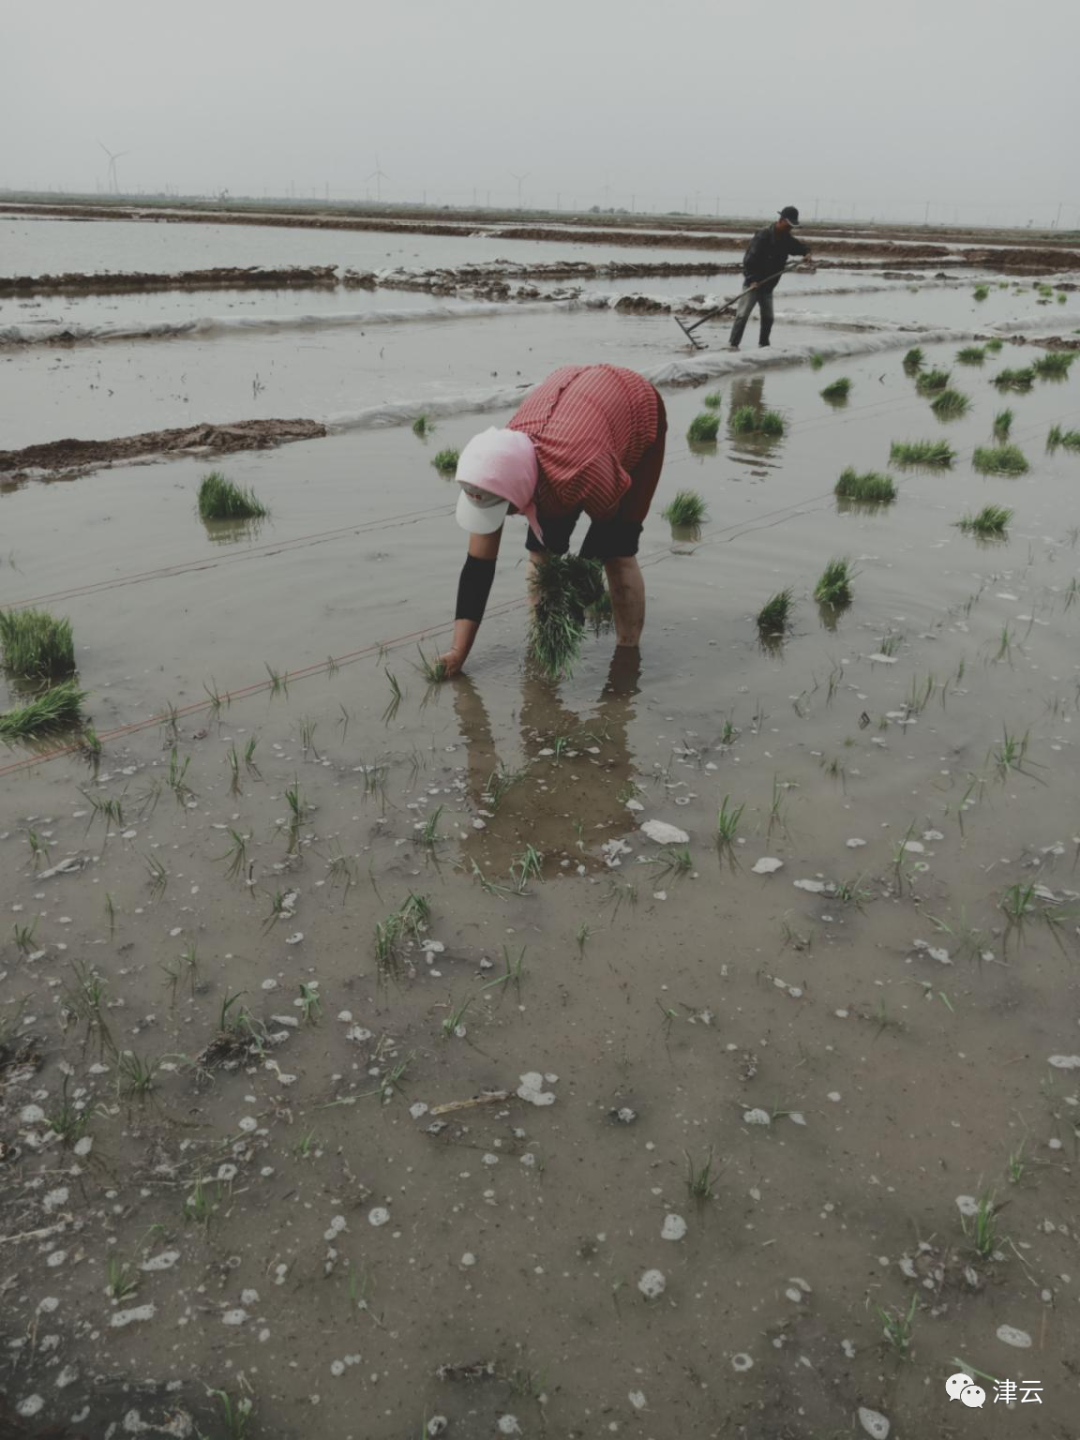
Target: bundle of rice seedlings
{"points": [[1015, 379], [948, 404], [932, 380], [921, 452], [36, 645], [712, 401], [971, 355], [913, 360], [774, 617], [999, 460], [686, 508], [564, 587], [771, 422], [51, 710], [870, 488], [991, 520], [1070, 439], [1003, 424], [837, 390], [445, 462], [421, 426], [995, 345], [816, 361], [834, 587], [703, 428], [749, 420], [981, 292], [1054, 365], [220, 499]]}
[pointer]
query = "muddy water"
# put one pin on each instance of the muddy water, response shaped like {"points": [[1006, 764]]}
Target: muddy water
{"points": [[850, 1086]]}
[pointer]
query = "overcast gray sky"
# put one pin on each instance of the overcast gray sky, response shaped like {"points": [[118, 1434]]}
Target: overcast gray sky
{"points": [[853, 106]]}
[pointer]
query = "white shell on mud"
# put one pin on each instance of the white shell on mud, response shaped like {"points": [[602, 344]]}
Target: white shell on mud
{"points": [[664, 834], [874, 1423]]}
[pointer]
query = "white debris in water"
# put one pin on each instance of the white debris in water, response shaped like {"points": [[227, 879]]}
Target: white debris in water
{"points": [[83, 1146], [880, 659], [249, 1297], [637, 1399], [874, 1423], [57, 1258], [337, 1224], [767, 865], [31, 1115], [915, 846], [1009, 1335], [757, 1117], [294, 939], [855, 843], [634, 805], [834, 1096], [248, 1123], [652, 1284], [848, 1348], [67, 1377], [165, 1261], [337, 1367], [664, 834], [378, 1216], [418, 1109], [967, 1204], [659, 895], [234, 1317], [797, 1117], [437, 1425], [54, 1198], [468, 1259], [815, 887], [122, 1318], [1064, 1062], [674, 1228], [30, 1406], [508, 1425], [741, 1362], [933, 835], [532, 1089]]}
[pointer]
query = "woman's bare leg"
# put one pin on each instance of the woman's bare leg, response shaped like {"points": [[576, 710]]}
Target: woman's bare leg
{"points": [[627, 587]]}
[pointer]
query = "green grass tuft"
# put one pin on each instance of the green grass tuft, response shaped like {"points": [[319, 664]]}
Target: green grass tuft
{"points": [[1070, 439], [816, 361], [837, 390], [220, 499], [749, 420], [712, 402], [771, 422], [421, 427], [1054, 365], [937, 453], [991, 520], [564, 586], [53, 709], [774, 617], [687, 508], [981, 292], [870, 488], [1015, 379], [949, 404], [995, 345], [446, 461], [703, 428], [834, 587], [1003, 424], [913, 360], [36, 645], [999, 460], [971, 355], [930, 381]]}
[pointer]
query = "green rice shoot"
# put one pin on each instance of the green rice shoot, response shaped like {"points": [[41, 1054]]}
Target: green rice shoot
{"points": [[712, 401], [930, 381], [774, 617], [993, 346], [1015, 379], [981, 292], [948, 404], [36, 646], [446, 461], [54, 709], [992, 520], [687, 508], [870, 488], [1068, 439], [913, 360], [1054, 365], [935, 453], [834, 587], [837, 390], [221, 499], [421, 427], [749, 420], [971, 355], [703, 428], [999, 460], [564, 586], [816, 361], [1003, 424]]}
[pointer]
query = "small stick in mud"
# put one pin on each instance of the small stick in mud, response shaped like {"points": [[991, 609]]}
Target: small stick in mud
{"points": [[486, 1097]]}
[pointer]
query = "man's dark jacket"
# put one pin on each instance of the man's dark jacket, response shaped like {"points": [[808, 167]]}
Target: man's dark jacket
{"points": [[768, 252]]}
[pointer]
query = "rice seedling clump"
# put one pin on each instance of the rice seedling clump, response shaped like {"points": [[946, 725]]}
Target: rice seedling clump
{"points": [[816, 361], [1015, 379], [913, 360], [922, 452], [564, 586], [871, 488], [36, 645], [1054, 365], [834, 587], [748, 420], [1003, 424], [948, 404], [446, 462], [686, 508], [837, 390], [712, 401], [703, 428], [981, 292], [999, 460], [993, 346], [991, 520], [220, 499], [932, 380], [52, 710], [774, 617], [421, 426], [971, 355], [1070, 439]]}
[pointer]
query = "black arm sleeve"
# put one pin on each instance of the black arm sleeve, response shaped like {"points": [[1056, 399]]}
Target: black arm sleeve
{"points": [[796, 247], [474, 587]]}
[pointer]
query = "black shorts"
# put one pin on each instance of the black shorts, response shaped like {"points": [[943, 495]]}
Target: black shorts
{"points": [[604, 540]]}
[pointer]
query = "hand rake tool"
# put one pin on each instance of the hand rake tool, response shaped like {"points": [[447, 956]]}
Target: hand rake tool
{"points": [[688, 330]]}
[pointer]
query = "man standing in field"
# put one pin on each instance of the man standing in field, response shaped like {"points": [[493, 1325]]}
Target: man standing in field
{"points": [[588, 440], [766, 254]]}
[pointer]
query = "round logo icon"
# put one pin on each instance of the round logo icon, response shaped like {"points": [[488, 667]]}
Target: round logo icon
{"points": [[957, 1384]]}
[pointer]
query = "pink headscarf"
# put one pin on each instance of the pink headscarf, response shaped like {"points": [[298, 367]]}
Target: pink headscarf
{"points": [[503, 462]]}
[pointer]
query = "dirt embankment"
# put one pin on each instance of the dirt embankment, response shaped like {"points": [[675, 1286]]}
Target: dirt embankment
{"points": [[60, 456], [225, 277]]}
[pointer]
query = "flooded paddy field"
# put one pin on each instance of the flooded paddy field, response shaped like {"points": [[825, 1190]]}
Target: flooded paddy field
{"points": [[362, 1058]]}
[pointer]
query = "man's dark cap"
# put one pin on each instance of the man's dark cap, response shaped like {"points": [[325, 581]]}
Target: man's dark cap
{"points": [[790, 214]]}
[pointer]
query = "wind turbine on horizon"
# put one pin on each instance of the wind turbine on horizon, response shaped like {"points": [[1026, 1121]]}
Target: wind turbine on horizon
{"points": [[112, 182], [520, 181], [378, 175]]}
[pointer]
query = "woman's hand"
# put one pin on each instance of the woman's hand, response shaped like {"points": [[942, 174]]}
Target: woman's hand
{"points": [[452, 662]]}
